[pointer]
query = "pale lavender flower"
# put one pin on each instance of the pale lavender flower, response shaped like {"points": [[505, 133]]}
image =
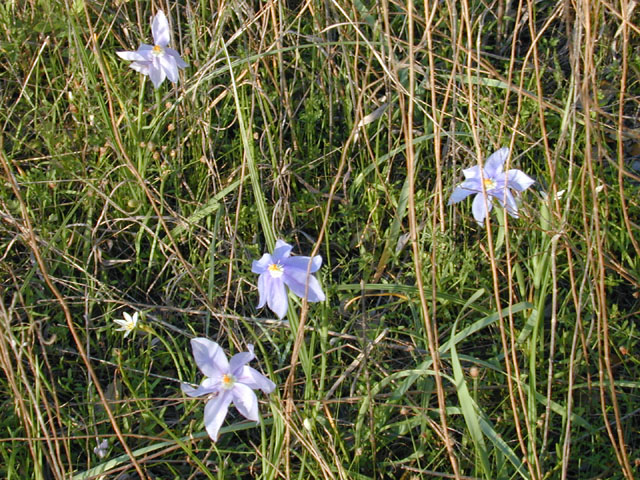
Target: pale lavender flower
{"points": [[496, 185], [230, 381], [102, 448], [280, 269], [128, 325], [158, 61]]}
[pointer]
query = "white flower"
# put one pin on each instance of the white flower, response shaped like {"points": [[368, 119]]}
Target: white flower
{"points": [[101, 449], [158, 61], [127, 325]]}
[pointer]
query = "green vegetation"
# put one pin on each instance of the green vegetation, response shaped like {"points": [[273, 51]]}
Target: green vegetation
{"points": [[444, 348]]}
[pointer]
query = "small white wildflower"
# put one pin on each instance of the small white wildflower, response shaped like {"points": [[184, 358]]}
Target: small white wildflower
{"points": [[127, 325], [101, 449]]}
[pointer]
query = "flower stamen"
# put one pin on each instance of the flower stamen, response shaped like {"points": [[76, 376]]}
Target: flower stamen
{"points": [[489, 183], [228, 381], [276, 270]]}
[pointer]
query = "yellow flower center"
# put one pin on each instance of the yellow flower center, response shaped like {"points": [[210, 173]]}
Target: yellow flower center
{"points": [[276, 270], [228, 381], [158, 50], [489, 184]]}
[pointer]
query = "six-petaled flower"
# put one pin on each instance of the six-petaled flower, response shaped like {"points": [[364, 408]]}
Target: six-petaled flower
{"points": [[230, 380], [127, 325], [496, 183], [158, 61], [280, 269]]}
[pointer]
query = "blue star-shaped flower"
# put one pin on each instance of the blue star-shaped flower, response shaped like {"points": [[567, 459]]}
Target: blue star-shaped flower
{"points": [[158, 61], [496, 185], [280, 269], [230, 380]]}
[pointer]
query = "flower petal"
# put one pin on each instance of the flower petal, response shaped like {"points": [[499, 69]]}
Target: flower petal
{"points": [[208, 385], [180, 63], [302, 263], [510, 203], [472, 172], [214, 413], [168, 64], [282, 250], [209, 357], [160, 29], [479, 209], [276, 296], [245, 401], [132, 56], [254, 379], [142, 67], [494, 164], [296, 279], [157, 75], [518, 180], [239, 360], [263, 287], [459, 194], [261, 266]]}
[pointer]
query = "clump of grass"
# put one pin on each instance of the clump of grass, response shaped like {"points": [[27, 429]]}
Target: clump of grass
{"points": [[444, 348]]}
